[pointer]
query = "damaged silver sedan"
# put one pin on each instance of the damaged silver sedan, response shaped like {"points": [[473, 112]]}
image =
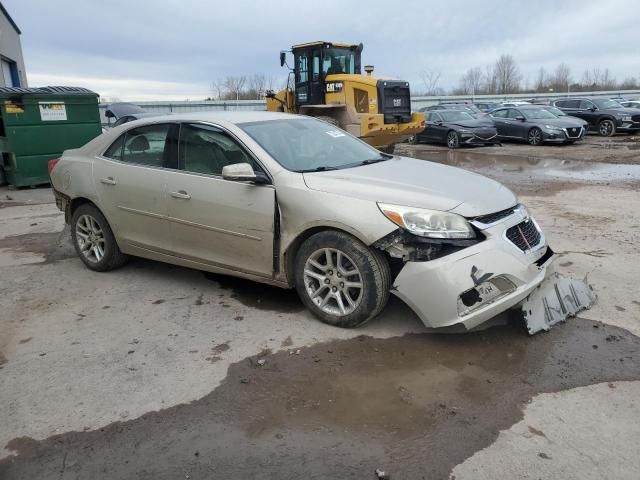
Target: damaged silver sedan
{"points": [[296, 202]]}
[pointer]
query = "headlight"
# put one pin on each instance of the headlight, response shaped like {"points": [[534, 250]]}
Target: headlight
{"points": [[465, 130], [551, 127], [428, 223], [626, 118]]}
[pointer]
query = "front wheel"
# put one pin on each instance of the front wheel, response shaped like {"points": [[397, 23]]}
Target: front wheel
{"points": [[606, 128], [340, 280], [453, 140], [535, 137], [94, 241]]}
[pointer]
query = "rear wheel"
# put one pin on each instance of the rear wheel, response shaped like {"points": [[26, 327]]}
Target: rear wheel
{"points": [[453, 140], [606, 128], [340, 280], [535, 136], [94, 241]]}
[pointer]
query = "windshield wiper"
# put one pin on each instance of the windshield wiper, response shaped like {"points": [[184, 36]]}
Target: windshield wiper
{"points": [[322, 168], [382, 158]]}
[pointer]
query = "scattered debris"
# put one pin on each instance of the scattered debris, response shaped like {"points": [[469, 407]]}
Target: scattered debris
{"points": [[261, 362], [544, 455], [554, 300], [244, 380], [382, 475]]}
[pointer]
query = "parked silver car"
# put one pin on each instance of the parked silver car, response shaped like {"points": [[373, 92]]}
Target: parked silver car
{"points": [[296, 202]]}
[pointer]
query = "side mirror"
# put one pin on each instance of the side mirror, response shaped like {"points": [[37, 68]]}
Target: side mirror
{"points": [[592, 109], [520, 118], [283, 57], [242, 172], [438, 122]]}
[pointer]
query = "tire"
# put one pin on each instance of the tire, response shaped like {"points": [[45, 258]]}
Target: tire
{"points": [[330, 120], [453, 139], [534, 137], [319, 282], [87, 220], [606, 128]]}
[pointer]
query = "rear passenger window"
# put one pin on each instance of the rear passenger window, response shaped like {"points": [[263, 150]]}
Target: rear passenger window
{"points": [[146, 145], [585, 104], [571, 103], [115, 150], [205, 149]]}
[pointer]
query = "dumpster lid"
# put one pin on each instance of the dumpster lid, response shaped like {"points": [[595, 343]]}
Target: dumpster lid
{"points": [[120, 109], [46, 91]]}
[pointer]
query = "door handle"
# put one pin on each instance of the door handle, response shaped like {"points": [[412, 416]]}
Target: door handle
{"points": [[108, 181], [181, 194]]}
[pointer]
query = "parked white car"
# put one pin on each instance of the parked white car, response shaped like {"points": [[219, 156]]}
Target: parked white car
{"points": [[296, 202]]}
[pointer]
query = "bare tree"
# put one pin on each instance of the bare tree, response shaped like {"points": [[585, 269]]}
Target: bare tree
{"points": [[234, 86], [430, 78], [607, 82], [490, 80], [507, 75], [587, 79], [471, 81], [562, 78], [217, 89], [541, 81], [257, 85]]}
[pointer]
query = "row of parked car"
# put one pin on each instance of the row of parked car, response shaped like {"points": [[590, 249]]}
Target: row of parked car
{"points": [[564, 120]]}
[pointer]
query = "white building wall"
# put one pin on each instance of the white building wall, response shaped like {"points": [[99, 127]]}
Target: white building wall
{"points": [[11, 49]]}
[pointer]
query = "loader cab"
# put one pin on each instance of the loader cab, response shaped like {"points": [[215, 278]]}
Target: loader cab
{"points": [[314, 61]]}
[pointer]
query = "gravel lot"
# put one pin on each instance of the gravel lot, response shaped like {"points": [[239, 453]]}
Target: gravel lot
{"points": [[152, 371]]}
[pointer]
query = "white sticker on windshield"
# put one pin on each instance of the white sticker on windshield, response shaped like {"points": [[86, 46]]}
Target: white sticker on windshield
{"points": [[335, 133]]}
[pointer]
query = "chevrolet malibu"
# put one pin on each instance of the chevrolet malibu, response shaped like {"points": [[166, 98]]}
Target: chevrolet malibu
{"points": [[295, 202]]}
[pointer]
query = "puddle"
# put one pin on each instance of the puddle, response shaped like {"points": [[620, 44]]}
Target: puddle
{"points": [[415, 405], [258, 295], [526, 172]]}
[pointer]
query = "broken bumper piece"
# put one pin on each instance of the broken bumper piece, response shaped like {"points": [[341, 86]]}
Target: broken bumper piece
{"points": [[554, 300]]}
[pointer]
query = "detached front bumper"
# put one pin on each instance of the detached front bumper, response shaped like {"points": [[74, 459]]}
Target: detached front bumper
{"points": [[449, 290]]}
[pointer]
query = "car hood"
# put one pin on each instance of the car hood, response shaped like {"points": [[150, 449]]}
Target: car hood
{"points": [[417, 183], [478, 122], [562, 122]]}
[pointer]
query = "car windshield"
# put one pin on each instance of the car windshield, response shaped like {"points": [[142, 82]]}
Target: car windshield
{"points": [[556, 111], [606, 103], [306, 144], [454, 116], [538, 114]]}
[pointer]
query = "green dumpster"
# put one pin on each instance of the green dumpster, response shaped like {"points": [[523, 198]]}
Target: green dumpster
{"points": [[38, 124]]}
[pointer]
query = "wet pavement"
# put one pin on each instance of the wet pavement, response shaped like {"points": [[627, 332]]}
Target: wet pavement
{"points": [[531, 174], [414, 406]]}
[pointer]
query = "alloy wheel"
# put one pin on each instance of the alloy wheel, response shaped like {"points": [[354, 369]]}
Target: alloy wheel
{"points": [[333, 281], [90, 238], [452, 140], [606, 128], [535, 136]]}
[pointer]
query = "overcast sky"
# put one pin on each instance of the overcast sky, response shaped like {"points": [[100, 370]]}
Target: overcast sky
{"points": [[173, 49]]}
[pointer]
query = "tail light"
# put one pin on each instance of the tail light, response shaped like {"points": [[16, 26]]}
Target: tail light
{"points": [[52, 163]]}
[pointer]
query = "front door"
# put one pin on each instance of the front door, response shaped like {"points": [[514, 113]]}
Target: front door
{"points": [[214, 221], [309, 81], [130, 180]]}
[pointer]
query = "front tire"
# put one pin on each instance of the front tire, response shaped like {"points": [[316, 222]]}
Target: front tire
{"points": [[606, 128], [453, 140], [535, 137], [94, 241], [340, 280]]}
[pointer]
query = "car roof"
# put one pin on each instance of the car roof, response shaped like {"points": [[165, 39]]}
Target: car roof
{"points": [[233, 117]]}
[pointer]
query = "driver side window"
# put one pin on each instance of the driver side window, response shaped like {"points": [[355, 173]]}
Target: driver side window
{"points": [[207, 149]]}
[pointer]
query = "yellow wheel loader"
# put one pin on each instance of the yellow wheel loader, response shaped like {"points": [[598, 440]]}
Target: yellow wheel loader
{"points": [[326, 82]]}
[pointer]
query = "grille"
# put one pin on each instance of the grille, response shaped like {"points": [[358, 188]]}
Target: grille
{"points": [[394, 101], [525, 235], [485, 133], [573, 132], [494, 217], [635, 118]]}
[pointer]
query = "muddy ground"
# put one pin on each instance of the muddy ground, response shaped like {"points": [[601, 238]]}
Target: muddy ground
{"points": [[154, 371]]}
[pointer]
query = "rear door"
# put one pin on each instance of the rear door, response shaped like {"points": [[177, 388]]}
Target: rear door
{"points": [[130, 179], [500, 121], [214, 221]]}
